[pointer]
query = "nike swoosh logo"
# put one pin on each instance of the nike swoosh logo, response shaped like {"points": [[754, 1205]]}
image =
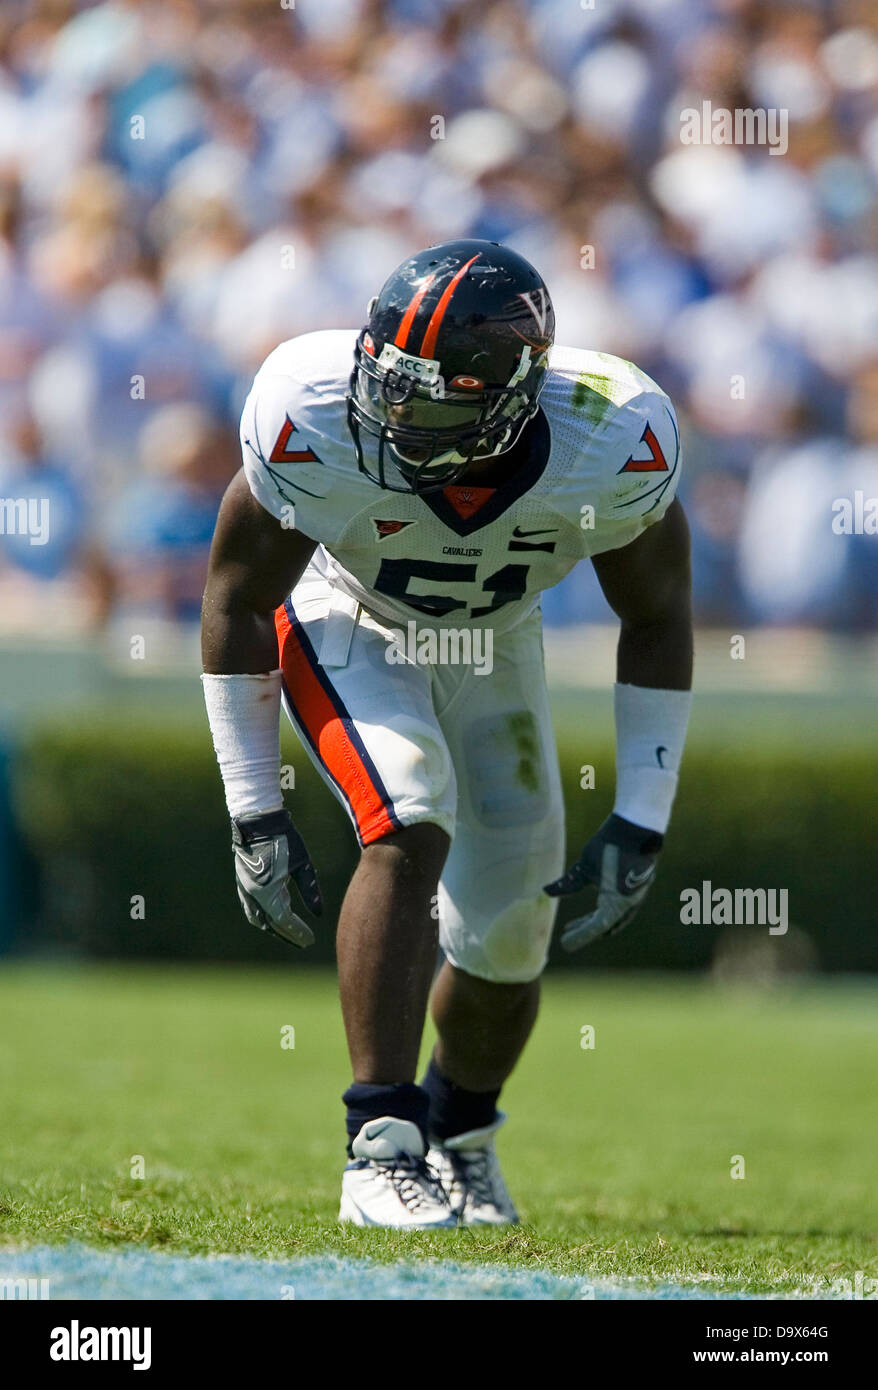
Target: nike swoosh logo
{"points": [[543, 531], [658, 752], [373, 1134], [258, 866], [633, 880]]}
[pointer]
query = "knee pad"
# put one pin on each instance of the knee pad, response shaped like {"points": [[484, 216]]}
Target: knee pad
{"points": [[509, 946], [507, 776], [515, 946]]}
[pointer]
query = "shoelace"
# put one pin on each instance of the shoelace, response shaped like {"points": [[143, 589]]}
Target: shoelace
{"points": [[475, 1171], [410, 1177]]}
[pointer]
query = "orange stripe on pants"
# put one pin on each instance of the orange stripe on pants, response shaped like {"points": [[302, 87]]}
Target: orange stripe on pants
{"points": [[323, 721]]}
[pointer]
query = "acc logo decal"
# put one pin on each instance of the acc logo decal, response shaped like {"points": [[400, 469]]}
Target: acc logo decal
{"points": [[418, 368], [656, 463], [280, 454], [383, 529]]}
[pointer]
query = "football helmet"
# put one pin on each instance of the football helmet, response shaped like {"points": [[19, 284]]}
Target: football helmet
{"points": [[449, 367]]}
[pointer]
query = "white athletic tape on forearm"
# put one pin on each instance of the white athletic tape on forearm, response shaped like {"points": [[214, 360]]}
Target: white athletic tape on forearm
{"points": [[244, 716], [650, 734]]}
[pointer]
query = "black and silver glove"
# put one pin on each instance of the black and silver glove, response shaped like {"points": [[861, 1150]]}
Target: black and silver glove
{"points": [[269, 851], [621, 860]]}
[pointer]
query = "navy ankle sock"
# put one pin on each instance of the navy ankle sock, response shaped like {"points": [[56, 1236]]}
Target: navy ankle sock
{"points": [[453, 1109], [404, 1101]]}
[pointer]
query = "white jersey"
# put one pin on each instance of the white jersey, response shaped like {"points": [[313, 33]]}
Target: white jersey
{"points": [[607, 468]]}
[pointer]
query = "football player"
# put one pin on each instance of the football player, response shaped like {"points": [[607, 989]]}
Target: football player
{"points": [[432, 474]]}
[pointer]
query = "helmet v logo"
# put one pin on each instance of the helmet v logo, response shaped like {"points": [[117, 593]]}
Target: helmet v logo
{"points": [[656, 463], [540, 313]]}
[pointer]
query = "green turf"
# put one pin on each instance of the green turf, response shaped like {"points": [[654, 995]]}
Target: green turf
{"points": [[619, 1157]]}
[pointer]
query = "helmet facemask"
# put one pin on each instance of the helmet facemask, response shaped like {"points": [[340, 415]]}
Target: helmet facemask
{"points": [[428, 435]]}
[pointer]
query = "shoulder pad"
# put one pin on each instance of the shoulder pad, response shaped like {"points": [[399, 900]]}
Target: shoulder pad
{"points": [[642, 444], [617, 443], [295, 447]]}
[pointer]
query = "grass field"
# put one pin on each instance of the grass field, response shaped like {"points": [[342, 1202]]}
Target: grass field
{"points": [[620, 1157]]}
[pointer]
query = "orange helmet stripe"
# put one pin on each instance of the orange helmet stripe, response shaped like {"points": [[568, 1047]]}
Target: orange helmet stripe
{"points": [[408, 317], [429, 344]]}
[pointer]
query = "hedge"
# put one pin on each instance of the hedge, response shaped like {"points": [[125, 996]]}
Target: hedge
{"points": [[113, 812]]}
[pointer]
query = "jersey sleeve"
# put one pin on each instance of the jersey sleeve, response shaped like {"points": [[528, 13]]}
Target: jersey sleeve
{"points": [[281, 454], [641, 468]]}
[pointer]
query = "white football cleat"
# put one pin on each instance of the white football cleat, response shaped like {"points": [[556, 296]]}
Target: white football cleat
{"points": [[470, 1173], [388, 1181]]}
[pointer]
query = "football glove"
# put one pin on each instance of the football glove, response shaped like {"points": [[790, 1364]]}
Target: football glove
{"points": [[621, 860], [268, 852]]}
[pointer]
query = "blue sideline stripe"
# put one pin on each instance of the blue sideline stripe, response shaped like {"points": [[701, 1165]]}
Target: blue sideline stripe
{"points": [[76, 1271]]}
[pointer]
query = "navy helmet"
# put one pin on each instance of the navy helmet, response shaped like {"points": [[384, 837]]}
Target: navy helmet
{"points": [[449, 367]]}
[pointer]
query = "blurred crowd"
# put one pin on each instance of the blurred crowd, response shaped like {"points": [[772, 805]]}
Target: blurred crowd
{"points": [[185, 183]]}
